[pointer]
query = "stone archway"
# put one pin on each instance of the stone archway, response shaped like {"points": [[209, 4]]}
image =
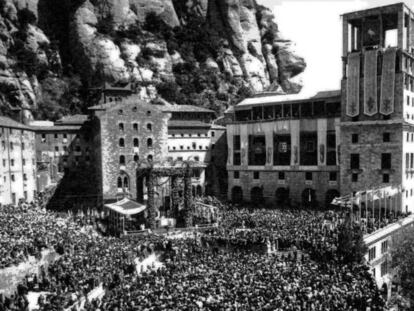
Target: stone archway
{"points": [[237, 194], [281, 197], [256, 195]]}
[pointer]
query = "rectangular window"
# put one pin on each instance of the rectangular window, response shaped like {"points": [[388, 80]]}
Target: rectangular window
{"points": [[308, 148], [386, 137], [355, 138], [256, 175], [257, 150], [12, 162], [385, 178], [411, 160], [22, 146], [282, 150], [56, 148], [236, 150], [25, 177], [236, 174], [354, 177], [24, 162], [4, 162], [384, 246], [372, 253], [354, 161], [308, 176], [384, 268], [282, 176], [386, 161], [56, 136], [332, 176]]}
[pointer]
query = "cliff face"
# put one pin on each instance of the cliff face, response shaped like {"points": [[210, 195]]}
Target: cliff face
{"points": [[203, 52]]}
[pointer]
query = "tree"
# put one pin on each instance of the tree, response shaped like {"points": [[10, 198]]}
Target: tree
{"points": [[402, 261], [351, 245]]}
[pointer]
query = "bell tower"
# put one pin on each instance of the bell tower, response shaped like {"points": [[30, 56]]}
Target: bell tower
{"points": [[377, 114]]}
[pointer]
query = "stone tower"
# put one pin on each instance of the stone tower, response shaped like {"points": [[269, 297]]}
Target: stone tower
{"points": [[377, 118]]}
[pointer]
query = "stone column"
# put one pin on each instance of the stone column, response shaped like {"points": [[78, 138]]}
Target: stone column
{"points": [[322, 129], [401, 37], [268, 129], [345, 38], [295, 142], [188, 199], [151, 200], [174, 195]]}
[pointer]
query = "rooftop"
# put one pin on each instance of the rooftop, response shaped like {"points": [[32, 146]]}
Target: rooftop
{"points": [[77, 119], [186, 108], [7, 122], [187, 123], [375, 10], [272, 99], [59, 128]]}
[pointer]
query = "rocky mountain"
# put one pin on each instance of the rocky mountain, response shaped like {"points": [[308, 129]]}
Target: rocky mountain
{"points": [[204, 52]]}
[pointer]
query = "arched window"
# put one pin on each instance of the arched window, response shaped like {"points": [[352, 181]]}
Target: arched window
{"points": [[119, 182], [149, 158], [122, 160], [136, 158], [136, 142], [126, 182], [149, 126], [121, 127], [121, 142], [120, 111], [149, 142]]}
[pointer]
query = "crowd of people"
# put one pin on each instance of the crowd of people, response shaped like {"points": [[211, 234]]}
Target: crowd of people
{"points": [[222, 268]]}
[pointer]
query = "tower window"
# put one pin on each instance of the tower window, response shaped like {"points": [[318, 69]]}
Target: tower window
{"points": [[135, 126], [308, 176], [332, 176], [355, 138], [136, 142], [149, 142], [236, 174], [386, 137], [385, 178], [354, 177], [149, 127], [386, 161], [256, 175], [281, 175], [354, 161], [122, 160], [121, 142], [121, 126]]}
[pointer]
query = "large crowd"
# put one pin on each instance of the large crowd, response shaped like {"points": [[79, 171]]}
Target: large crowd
{"points": [[222, 268]]}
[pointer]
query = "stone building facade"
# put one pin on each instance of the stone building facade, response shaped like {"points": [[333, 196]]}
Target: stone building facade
{"points": [[17, 162], [125, 133], [284, 149], [377, 121]]}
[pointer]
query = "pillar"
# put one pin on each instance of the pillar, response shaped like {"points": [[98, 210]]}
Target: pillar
{"points": [[345, 38], [188, 200], [174, 195], [322, 132], [401, 38], [295, 142], [151, 200]]}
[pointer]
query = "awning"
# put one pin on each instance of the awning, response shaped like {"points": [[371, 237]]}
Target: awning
{"points": [[367, 195], [126, 207]]}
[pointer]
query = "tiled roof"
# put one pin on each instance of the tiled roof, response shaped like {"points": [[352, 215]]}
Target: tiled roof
{"points": [[185, 108], [7, 122], [187, 123]]}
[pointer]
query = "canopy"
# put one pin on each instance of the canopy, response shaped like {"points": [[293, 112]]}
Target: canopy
{"points": [[126, 207], [367, 195]]}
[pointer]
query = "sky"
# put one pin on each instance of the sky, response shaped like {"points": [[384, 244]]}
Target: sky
{"points": [[315, 26]]}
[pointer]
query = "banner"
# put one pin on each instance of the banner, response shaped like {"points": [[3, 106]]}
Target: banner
{"points": [[388, 81], [370, 83], [352, 103]]}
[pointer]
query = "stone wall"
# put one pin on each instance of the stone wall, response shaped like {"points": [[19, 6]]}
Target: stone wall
{"points": [[132, 112]]}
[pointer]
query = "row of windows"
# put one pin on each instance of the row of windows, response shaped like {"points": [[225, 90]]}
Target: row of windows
{"points": [[135, 142], [372, 252], [386, 138], [12, 162], [3, 144], [409, 160], [193, 135], [282, 176], [193, 147], [121, 126], [122, 159], [65, 136], [385, 161], [134, 109], [13, 178], [3, 130], [385, 178]]}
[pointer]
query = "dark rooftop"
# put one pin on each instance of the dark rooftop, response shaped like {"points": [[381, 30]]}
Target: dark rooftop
{"points": [[187, 123]]}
